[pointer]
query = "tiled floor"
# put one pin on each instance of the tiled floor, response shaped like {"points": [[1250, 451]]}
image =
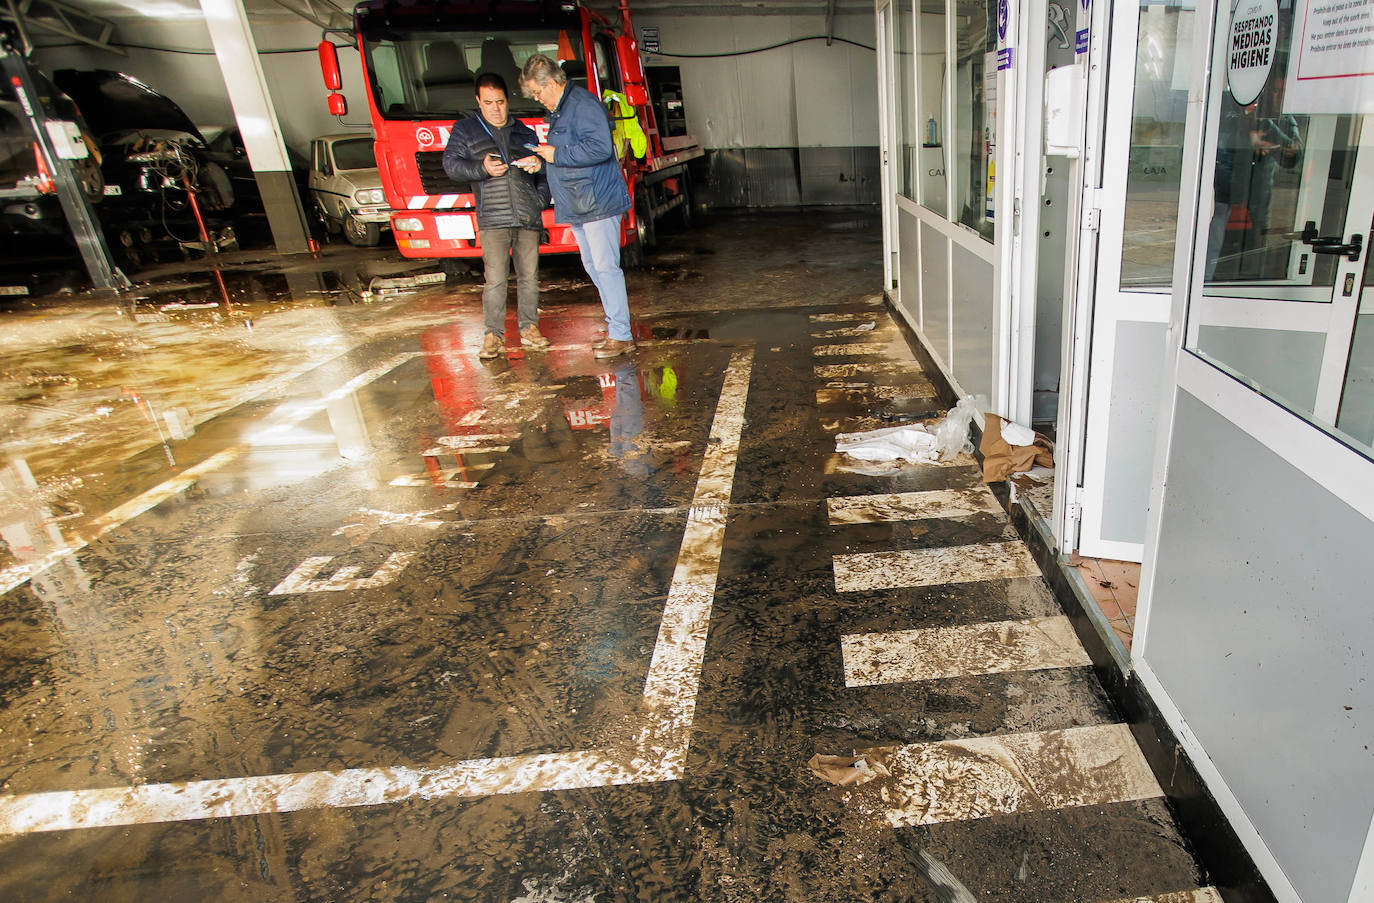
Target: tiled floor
{"points": [[398, 625], [1114, 586]]}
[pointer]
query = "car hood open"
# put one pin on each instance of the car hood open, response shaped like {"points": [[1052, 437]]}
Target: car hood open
{"points": [[113, 102]]}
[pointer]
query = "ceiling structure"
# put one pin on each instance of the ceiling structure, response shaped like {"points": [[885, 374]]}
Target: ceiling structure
{"points": [[95, 22]]}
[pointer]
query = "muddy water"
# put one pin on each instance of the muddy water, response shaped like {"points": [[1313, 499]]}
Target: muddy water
{"points": [[404, 625]]}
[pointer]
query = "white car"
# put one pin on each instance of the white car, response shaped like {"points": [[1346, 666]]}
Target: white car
{"points": [[346, 188]]}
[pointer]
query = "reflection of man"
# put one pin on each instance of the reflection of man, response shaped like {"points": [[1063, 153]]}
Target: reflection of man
{"points": [[627, 420], [589, 192], [488, 150]]}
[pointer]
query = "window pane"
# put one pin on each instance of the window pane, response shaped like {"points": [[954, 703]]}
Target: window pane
{"points": [[975, 112], [907, 162], [1152, 178], [931, 109]]}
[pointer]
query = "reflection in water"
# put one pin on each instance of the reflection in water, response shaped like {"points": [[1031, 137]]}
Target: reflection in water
{"points": [[627, 420]]}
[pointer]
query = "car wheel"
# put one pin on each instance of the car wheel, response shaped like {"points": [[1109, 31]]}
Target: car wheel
{"points": [[361, 234]]}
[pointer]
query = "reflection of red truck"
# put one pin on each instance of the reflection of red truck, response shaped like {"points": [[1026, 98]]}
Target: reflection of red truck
{"points": [[420, 62]]}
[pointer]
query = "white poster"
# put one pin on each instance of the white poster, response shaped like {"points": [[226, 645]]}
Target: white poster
{"points": [[1331, 67]]}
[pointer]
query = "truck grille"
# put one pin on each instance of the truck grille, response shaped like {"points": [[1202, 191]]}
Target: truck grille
{"points": [[433, 179]]}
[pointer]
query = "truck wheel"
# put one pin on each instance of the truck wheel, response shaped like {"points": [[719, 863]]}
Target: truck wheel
{"points": [[360, 234], [632, 255], [644, 221], [685, 189]]}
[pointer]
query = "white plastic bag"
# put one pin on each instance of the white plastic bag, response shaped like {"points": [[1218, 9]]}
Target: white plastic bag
{"points": [[951, 434], [895, 443]]}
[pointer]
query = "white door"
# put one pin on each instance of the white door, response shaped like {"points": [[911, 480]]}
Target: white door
{"points": [[1115, 335], [887, 150]]}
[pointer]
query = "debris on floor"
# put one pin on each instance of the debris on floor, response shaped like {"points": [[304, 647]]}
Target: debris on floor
{"points": [[1003, 457], [910, 442], [845, 771]]}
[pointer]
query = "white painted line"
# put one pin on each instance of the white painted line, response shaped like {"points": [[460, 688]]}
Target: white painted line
{"points": [[868, 369], [305, 578], [874, 659], [476, 440], [846, 332], [838, 463], [1201, 895], [842, 317], [930, 567], [468, 450], [421, 480], [959, 780], [867, 395], [884, 348], [670, 689], [901, 506], [658, 753], [283, 418]]}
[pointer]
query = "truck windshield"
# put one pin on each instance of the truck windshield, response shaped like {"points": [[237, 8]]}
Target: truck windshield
{"points": [[422, 74], [354, 153]]}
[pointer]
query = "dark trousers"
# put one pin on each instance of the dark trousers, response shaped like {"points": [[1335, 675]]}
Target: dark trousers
{"points": [[498, 247]]}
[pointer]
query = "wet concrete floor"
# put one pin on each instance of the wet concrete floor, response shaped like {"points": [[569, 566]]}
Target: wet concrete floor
{"points": [[303, 602]]}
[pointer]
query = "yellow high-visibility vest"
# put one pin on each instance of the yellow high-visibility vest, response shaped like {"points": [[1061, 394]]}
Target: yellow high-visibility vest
{"points": [[626, 125]]}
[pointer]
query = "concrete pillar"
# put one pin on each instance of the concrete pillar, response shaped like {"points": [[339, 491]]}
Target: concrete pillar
{"points": [[257, 121]]}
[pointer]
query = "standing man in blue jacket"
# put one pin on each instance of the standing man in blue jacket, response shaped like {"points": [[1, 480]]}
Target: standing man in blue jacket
{"points": [[589, 192], [488, 150]]}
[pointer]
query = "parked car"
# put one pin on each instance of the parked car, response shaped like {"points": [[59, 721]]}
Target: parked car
{"points": [[346, 189], [151, 152], [224, 146]]}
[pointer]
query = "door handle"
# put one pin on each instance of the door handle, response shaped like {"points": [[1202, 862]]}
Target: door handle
{"points": [[1332, 244]]}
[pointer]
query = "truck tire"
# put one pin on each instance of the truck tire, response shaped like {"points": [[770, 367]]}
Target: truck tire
{"points": [[360, 234], [685, 189], [644, 220], [632, 256]]}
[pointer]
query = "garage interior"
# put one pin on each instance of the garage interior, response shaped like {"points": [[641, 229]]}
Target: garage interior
{"points": [[304, 602]]}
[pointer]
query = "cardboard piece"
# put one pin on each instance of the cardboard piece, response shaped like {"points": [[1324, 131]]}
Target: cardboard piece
{"points": [[1001, 459]]}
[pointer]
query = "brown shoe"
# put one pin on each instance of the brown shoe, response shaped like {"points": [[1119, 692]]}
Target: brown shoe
{"points": [[613, 348], [533, 339], [492, 346]]}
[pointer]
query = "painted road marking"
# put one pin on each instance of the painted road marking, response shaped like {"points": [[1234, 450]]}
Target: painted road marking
{"points": [[839, 463], [886, 349], [929, 567], [287, 415], [658, 753], [871, 394], [959, 780], [901, 506], [846, 332], [305, 578], [1201, 895], [874, 659]]}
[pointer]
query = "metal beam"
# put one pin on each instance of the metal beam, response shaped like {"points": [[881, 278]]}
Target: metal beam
{"points": [[56, 17], [329, 19]]}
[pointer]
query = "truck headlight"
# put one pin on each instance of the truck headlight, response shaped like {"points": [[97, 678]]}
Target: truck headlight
{"points": [[407, 224], [369, 196]]}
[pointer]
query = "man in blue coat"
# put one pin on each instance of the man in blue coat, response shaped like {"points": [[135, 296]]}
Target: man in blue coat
{"points": [[589, 192], [487, 150]]}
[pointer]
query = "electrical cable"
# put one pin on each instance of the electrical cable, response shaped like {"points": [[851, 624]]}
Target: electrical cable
{"points": [[714, 56]]}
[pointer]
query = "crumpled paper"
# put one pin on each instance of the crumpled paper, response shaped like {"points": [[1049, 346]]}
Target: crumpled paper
{"points": [[910, 442], [846, 770], [1001, 459]]}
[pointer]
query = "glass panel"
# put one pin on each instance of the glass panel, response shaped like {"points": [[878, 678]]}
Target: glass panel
{"points": [[423, 74], [355, 153], [1290, 187], [975, 112], [930, 110], [907, 162], [1163, 57]]}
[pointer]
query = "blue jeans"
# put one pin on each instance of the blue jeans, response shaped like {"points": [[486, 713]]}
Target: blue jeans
{"points": [[599, 244]]}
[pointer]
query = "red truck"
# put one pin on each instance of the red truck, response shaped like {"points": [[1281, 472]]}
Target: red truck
{"points": [[420, 61]]}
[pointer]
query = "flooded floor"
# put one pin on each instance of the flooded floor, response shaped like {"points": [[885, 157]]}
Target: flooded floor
{"points": [[303, 602]]}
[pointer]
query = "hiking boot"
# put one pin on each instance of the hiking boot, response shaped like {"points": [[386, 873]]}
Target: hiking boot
{"points": [[492, 346], [614, 348], [533, 339]]}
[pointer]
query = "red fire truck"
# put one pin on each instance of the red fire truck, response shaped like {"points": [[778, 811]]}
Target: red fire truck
{"points": [[420, 61]]}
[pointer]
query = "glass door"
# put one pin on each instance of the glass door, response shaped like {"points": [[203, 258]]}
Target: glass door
{"points": [[1291, 193], [887, 152]]}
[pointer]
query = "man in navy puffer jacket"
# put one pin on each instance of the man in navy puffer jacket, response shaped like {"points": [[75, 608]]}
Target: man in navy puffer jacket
{"points": [[589, 192], [488, 150]]}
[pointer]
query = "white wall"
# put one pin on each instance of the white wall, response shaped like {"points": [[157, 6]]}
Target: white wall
{"points": [[194, 82], [802, 95]]}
